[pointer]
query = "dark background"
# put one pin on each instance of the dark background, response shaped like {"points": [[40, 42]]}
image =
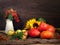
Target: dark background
{"points": [[48, 9]]}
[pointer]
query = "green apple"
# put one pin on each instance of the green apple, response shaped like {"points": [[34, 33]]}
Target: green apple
{"points": [[18, 31]]}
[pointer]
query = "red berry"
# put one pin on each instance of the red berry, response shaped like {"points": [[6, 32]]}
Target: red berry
{"points": [[16, 38]]}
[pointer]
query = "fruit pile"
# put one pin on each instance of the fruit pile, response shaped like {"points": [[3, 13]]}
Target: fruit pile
{"points": [[39, 28], [18, 34], [34, 28]]}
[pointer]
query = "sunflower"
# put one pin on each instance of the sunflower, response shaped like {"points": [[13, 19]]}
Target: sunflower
{"points": [[32, 23]]}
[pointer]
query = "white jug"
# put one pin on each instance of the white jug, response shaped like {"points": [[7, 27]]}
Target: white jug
{"points": [[9, 25]]}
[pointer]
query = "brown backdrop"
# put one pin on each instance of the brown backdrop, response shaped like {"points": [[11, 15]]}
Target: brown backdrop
{"points": [[49, 9]]}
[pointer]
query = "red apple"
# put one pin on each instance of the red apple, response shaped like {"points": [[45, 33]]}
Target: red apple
{"points": [[33, 32], [43, 26], [47, 35], [51, 28]]}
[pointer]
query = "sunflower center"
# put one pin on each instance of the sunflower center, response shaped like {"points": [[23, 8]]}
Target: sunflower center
{"points": [[35, 25]]}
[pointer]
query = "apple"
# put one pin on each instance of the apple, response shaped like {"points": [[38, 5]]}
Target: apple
{"points": [[51, 28], [47, 35], [43, 26], [26, 33], [24, 37], [24, 30], [33, 32], [10, 32], [17, 31]]}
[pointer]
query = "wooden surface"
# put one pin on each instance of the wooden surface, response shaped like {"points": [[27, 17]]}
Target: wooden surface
{"points": [[30, 41]]}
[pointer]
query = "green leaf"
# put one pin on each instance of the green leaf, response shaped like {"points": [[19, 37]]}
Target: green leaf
{"points": [[10, 17], [41, 19], [20, 35], [14, 36]]}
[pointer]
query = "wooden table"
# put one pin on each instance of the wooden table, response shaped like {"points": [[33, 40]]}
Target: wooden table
{"points": [[31, 41]]}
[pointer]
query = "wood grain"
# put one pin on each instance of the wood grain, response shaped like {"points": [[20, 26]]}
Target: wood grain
{"points": [[30, 41]]}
